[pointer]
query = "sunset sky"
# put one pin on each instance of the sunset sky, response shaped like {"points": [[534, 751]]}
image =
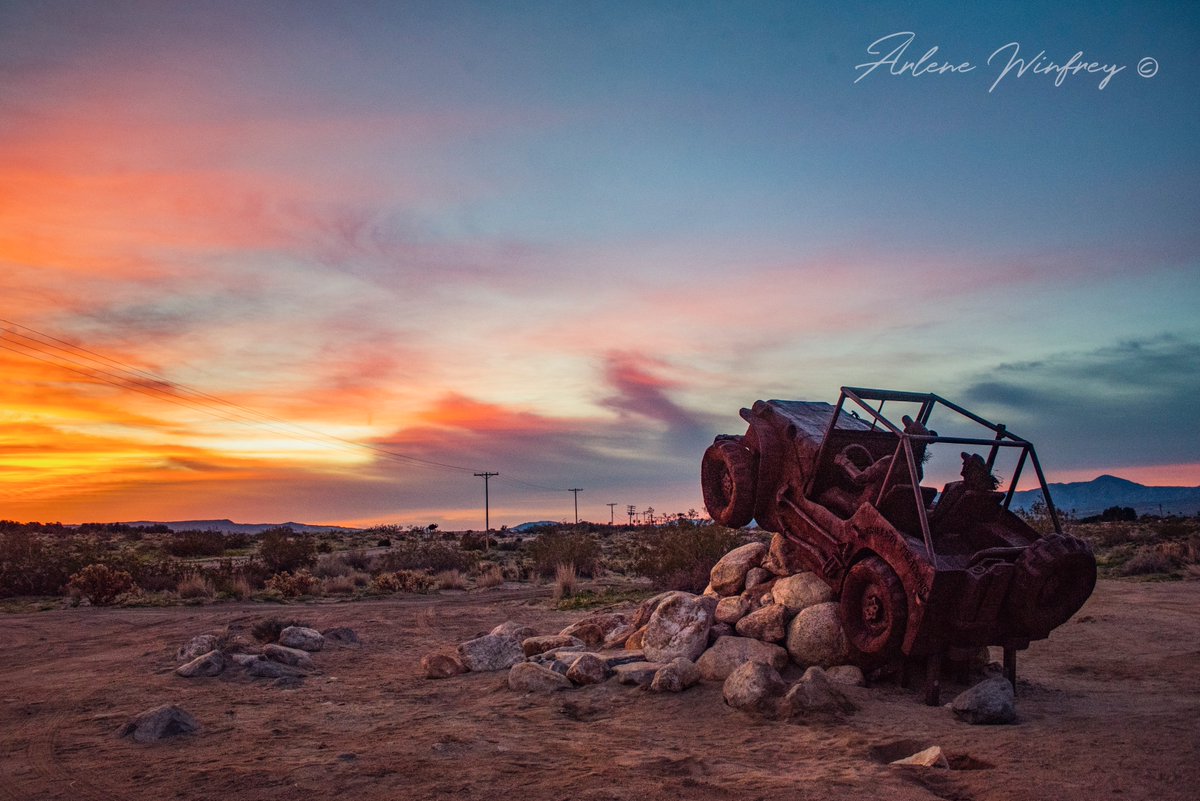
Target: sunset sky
{"points": [[396, 243]]}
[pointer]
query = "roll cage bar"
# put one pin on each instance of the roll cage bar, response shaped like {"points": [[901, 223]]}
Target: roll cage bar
{"points": [[1003, 439]]}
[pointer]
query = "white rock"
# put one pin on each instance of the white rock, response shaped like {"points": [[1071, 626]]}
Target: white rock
{"points": [[728, 575], [528, 677], [815, 637], [990, 701], [491, 652], [675, 676], [305, 639], [729, 653], [196, 646], [678, 627], [732, 609], [850, 675], [931, 757], [753, 687], [209, 664], [801, 591]]}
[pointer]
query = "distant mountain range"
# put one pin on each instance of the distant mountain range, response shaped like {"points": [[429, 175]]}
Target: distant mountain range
{"points": [[1085, 498], [230, 527]]}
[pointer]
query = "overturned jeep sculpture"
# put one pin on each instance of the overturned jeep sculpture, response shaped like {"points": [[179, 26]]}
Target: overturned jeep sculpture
{"points": [[918, 573]]}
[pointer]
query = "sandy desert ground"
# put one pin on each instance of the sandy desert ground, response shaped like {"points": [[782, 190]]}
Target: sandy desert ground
{"points": [[1109, 707]]}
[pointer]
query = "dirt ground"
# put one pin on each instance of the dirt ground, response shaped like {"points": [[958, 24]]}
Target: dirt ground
{"points": [[1109, 707]]}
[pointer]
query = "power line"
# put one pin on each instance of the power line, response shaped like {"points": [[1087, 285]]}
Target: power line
{"points": [[487, 523]]}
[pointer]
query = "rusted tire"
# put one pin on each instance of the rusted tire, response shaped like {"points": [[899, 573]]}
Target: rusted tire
{"points": [[873, 608], [1054, 577], [727, 480]]}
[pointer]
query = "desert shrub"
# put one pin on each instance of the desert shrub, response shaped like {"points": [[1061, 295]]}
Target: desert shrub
{"points": [[283, 550], [401, 581], [195, 586], [476, 541], [384, 543], [450, 580], [292, 585], [431, 556], [554, 548], [492, 576], [195, 543], [337, 585], [360, 578], [566, 581], [240, 588], [1147, 560], [357, 559], [331, 567], [100, 584], [267, 631], [681, 559]]}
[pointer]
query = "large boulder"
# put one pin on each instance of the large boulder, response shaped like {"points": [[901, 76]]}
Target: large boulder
{"points": [[815, 637], [196, 646], [675, 676], [532, 646], [757, 579], [784, 557], [588, 669], [209, 664], [988, 702], [732, 609], [442, 665], [815, 694], [635, 641], [646, 608], [595, 629], [341, 635], [729, 653], [301, 637], [528, 677], [768, 624], [639, 674], [491, 652], [728, 575], [801, 591], [850, 675], [753, 687], [158, 723], [288, 656], [511, 628], [678, 627]]}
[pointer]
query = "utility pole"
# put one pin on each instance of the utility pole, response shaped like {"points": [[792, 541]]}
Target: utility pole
{"points": [[487, 525], [631, 510], [611, 512], [576, 490]]}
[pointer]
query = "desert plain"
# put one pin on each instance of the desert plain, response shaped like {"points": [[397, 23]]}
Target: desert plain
{"points": [[1108, 707]]}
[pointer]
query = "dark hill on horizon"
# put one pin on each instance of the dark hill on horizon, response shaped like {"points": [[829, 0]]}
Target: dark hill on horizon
{"points": [[230, 527], [1085, 498]]}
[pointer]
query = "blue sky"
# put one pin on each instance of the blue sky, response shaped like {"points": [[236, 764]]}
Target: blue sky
{"points": [[567, 241]]}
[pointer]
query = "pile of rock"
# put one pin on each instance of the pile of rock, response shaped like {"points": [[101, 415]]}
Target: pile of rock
{"points": [[760, 614], [287, 660]]}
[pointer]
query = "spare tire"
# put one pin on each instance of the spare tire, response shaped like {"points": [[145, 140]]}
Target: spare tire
{"points": [[1054, 577], [727, 481], [873, 608]]}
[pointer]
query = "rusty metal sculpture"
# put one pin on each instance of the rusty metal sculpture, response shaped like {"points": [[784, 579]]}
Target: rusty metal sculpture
{"points": [[918, 573]]}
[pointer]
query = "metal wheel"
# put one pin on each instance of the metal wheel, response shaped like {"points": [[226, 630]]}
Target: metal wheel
{"points": [[727, 480], [874, 608]]}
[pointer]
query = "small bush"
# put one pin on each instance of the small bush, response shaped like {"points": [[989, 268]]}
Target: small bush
{"points": [[331, 567], [450, 580], [292, 585], [566, 581], [195, 586], [554, 548], [681, 559], [267, 631], [401, 581], [195, 543], [476, 541], [431, 556], [1148, 560], [338, 585], [282, 550], [100, 584], [240, 588], [492, 576]]}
